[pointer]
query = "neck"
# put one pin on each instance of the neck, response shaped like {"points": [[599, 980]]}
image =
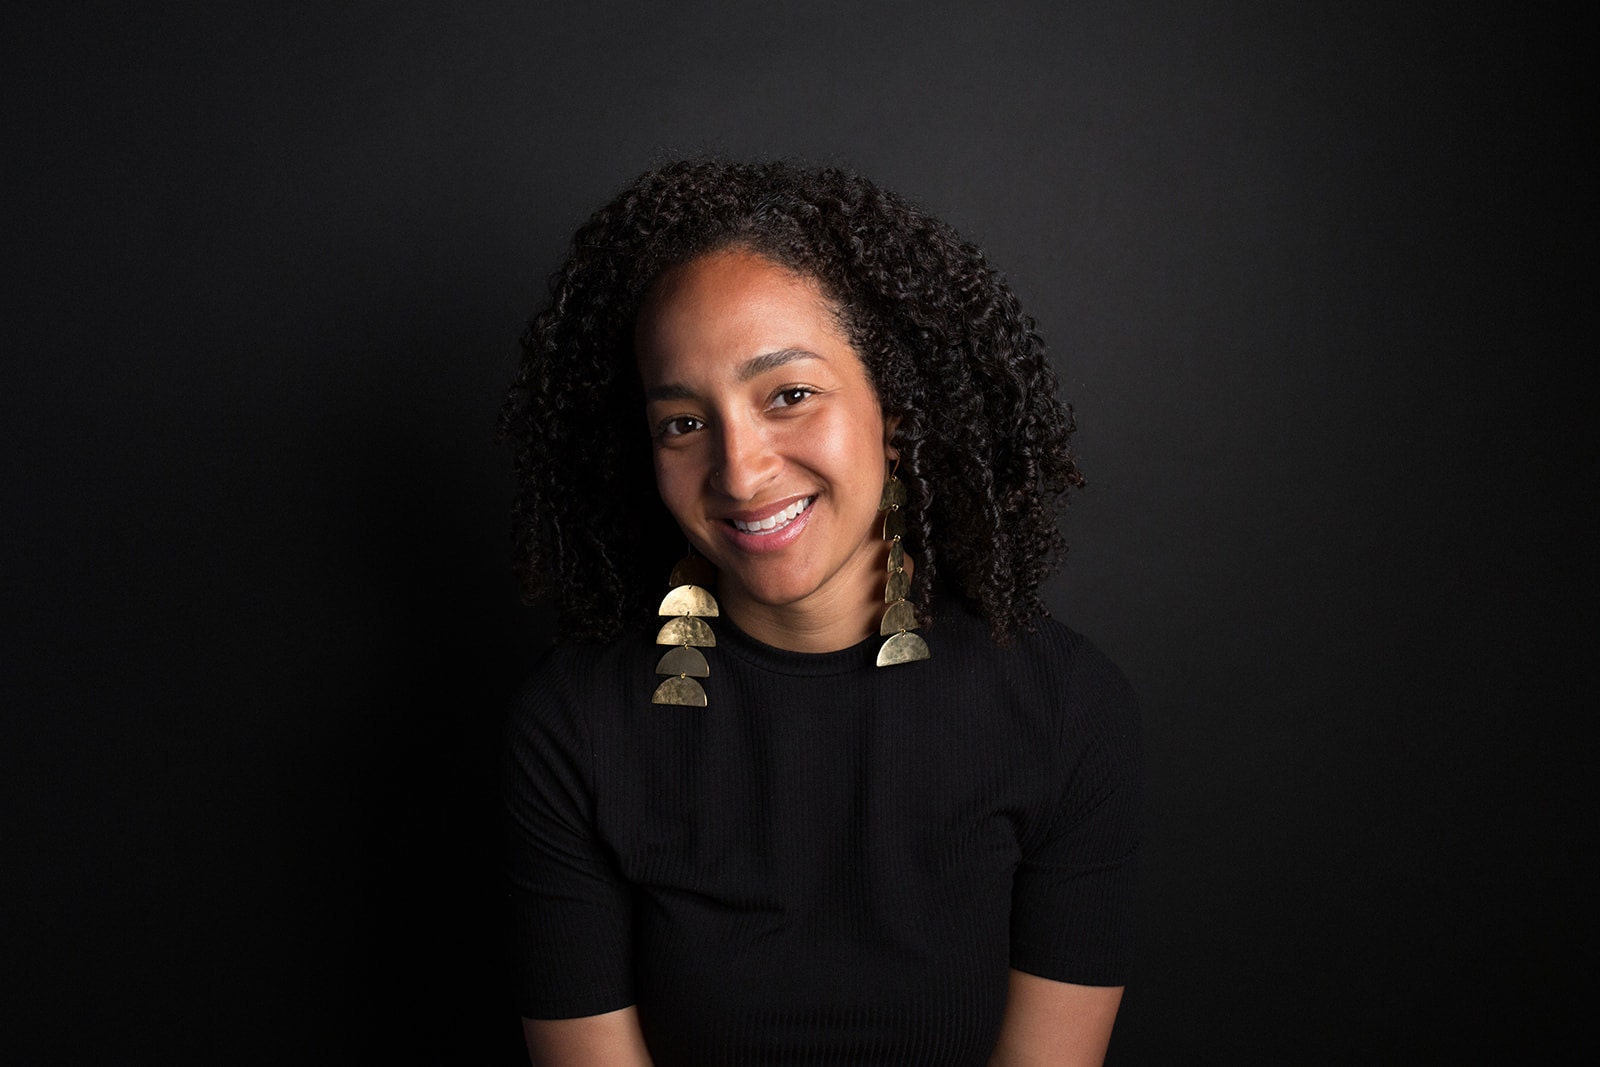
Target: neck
{"points": [[845, 613]]}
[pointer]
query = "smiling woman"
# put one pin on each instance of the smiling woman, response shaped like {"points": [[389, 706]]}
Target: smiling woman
{"points": [[770, 447], [785, 853]]}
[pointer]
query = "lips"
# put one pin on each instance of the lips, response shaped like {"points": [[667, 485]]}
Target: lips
{"points": [[775, 521]]}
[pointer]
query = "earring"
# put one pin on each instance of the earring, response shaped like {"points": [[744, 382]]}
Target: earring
{"points": [[898, 622], [687, 631]]}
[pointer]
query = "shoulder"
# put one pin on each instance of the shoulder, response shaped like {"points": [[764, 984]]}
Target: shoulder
{"points": [[567, 685], [1092, 687], [564, 666], [1051, 664], [1084, 715], [564, 709], [1100, 736], [1099, 752]]}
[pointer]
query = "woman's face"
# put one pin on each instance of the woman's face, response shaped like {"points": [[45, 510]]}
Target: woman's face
{"points": [[770, 447]]}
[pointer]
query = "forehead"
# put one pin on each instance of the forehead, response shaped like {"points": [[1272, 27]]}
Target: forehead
{"points": [[729, 271], [733, 305]]}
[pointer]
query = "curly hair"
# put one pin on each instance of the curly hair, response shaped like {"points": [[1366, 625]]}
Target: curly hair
{"points": [[982, 437]]}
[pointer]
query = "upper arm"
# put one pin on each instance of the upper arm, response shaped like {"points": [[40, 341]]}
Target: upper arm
{"points": [[1072, 892], [570, 907], [610, 1040], [1072, 897], [1055, 1024]]}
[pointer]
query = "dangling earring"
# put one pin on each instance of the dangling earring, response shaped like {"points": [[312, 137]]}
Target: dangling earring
{"points": [[687, 631], [898, 622]]}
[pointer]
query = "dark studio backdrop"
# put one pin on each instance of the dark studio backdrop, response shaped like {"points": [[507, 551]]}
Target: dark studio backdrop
{"points": [[1308, 274]]}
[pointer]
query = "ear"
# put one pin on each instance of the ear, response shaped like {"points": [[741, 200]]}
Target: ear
{"points": [[891, 423]]}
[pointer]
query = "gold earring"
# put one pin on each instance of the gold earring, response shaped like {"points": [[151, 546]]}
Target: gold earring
{"points": [[689, 605], [900, 619]]}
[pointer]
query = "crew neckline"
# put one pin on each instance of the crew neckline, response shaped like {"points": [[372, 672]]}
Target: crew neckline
{"points": [[772, 659]]}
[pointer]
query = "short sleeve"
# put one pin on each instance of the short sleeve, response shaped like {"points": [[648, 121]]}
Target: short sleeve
{"points": [[1072, 897], [570, 910]]}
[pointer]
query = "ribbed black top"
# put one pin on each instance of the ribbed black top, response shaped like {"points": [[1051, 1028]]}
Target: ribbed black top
{"points": [[832, 863]]}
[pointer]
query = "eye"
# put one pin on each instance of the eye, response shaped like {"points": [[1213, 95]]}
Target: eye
{"points": [[795, 394], [679, 425]]}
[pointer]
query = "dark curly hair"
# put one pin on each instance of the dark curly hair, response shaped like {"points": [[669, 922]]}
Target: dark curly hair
{"points": [[982, 438]]}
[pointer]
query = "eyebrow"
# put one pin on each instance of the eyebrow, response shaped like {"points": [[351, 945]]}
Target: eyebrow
{"points": [[753, 367]]}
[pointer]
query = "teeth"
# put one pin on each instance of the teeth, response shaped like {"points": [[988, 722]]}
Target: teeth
{"points": [[775, 522]]}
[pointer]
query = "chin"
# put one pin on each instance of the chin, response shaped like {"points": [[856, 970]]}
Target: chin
{"points": [[777, 594], [773, 590]]}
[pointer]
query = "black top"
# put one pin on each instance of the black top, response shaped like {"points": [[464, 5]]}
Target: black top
{"points": [[832, 862]]}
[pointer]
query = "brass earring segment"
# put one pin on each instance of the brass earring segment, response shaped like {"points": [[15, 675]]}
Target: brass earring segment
{"points": [[688, 605], [903, 647], [682, 691], [894, 525], [685, 660], [686, 631], [693, 570], [688, 600], [900, 619]]}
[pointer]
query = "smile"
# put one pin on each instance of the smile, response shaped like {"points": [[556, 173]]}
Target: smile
{"points": [[776, 521]]}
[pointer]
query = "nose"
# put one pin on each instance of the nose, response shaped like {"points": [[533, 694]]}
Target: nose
{"points": [[747, 460]]}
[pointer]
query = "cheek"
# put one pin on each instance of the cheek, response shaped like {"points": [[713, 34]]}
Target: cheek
{"points": [[852, 452], [670, 482], [664, 483]]}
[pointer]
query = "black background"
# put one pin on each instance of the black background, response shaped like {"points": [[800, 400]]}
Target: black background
{"points": [[1312, 277]]}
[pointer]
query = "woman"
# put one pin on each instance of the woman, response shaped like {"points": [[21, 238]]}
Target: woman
{"points": [[845, 795]]}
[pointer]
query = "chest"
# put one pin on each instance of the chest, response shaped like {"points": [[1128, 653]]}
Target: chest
{"points": [[814, 862], [856, 819]]}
